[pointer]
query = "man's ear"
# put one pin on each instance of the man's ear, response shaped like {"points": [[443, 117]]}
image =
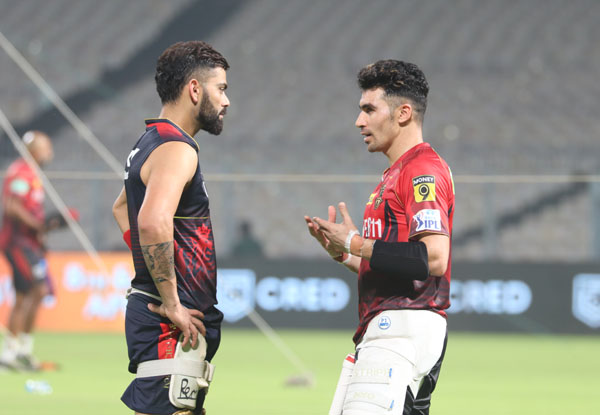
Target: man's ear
{"points": [[195, 90], [403, 112]]}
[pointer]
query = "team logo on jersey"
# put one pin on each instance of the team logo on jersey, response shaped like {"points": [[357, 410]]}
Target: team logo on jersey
{"points": [[235, 293], [424, 188], [380, 197], [428, 220], [586, 299]]}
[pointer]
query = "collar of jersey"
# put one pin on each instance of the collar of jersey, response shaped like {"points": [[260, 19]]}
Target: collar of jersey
{"points": [[405, 155], [155, 120]]}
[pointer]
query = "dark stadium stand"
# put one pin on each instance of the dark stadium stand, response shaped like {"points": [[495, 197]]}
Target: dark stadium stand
{"points": [[513, 91]]}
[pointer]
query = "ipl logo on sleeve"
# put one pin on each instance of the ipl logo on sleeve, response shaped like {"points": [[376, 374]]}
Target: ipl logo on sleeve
{"points": [[424, 188], [428, 220]]}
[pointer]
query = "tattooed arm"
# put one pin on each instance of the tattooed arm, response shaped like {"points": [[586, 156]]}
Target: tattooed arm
{"points": [[160, 261], [165, 173]]}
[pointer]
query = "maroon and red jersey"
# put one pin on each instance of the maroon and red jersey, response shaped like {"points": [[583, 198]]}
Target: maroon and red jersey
{"points": [[415, 197], [195, 259], [22, 182]]}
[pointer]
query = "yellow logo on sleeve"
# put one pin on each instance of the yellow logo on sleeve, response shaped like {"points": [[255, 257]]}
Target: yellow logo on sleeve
{"points": [[370, 202], [424, 188]]}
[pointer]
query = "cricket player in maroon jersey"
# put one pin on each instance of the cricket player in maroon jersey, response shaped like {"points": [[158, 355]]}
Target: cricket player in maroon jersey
{"points": [[403, 255], [172, 325], [22, 236]]}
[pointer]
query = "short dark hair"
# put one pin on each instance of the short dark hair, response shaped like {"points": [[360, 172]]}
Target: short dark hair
{"points": [[398, 79], [177, 64]]}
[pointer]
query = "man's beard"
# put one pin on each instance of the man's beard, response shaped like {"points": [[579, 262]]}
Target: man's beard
{"points": [[208, 116]]}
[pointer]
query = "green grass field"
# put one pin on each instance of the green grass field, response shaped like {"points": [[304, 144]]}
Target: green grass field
{"points": [[482, 374]]}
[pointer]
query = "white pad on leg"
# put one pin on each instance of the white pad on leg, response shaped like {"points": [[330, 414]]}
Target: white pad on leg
{"points": [[378, 384], [190, 372], [184, 389], [340, 391]]}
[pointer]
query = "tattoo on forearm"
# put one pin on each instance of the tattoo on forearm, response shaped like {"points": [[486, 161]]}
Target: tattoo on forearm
{"points": [[160, 261]]}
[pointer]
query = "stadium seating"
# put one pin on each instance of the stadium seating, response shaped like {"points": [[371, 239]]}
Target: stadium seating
{"points": [[513, 91]]}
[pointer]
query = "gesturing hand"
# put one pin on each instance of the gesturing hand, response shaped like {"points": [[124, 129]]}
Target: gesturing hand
{"points": [[335, 233], [187, 320], [320, 237]]}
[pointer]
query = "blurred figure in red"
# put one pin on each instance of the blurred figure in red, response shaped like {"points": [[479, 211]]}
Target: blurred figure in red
{"points": [[24, 227]]}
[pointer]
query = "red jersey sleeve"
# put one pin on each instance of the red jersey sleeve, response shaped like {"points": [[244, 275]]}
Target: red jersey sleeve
{"points": [[22, 183], [426, 191], [18, 185]]}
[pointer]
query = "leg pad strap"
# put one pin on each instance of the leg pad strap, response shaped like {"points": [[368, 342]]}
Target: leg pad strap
{"points": [[190, 373], [184, 367]]}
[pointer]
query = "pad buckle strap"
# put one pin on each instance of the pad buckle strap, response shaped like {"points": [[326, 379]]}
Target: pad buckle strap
{"points": [[371, 397], [184, 367], [382, 375]]}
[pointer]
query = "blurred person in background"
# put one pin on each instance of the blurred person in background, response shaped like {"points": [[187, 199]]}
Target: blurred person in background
{"points": [[247, 245], [403, 256], [24, 227], [172, 325]]}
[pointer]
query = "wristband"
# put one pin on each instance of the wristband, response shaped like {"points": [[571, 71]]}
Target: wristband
{"points": [[127, 237], [348, 259], [351, 235]]}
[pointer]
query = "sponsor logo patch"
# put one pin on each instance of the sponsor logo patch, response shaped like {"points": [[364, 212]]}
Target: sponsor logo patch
{"points": [[424, 188], [384, 322], [428, 220], [19, 187], [370, 202]]}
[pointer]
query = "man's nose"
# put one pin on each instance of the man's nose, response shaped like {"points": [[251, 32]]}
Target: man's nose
{"points": [[360, 122]]}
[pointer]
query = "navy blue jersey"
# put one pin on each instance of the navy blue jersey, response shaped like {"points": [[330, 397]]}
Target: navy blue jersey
{"points": [[195, 260]]}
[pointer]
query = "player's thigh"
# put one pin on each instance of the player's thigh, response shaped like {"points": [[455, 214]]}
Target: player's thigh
{"points": [[403, 345], [148, 337], [429, 333], [152, 337], [28, 266], [420, 404]]}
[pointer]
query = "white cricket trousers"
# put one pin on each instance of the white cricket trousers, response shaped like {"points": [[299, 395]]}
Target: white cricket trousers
{"points": [[397, 350]]}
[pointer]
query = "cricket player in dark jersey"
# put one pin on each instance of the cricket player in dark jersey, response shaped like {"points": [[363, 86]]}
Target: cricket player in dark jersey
{"points": [[403, 256], [172, 326], [22, 236]]}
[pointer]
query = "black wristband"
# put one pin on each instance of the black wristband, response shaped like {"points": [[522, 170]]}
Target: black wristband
{"points": [[407, 260]]}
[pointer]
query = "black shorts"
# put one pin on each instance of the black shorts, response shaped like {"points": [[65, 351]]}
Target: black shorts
{"points": [[29, 267], [147, 336]]}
